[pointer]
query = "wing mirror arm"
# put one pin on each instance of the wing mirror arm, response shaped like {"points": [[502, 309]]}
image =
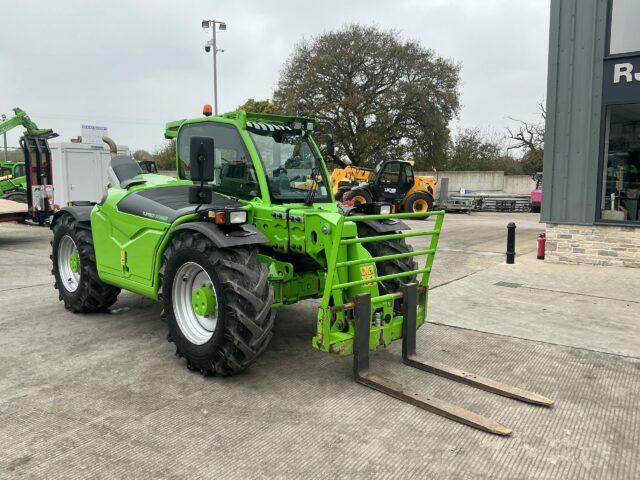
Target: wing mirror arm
{"points": [[331, 153]]}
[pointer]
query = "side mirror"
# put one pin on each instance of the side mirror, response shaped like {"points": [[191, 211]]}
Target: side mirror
{"points": [[331, 146], [201, 159], [331, 153]]}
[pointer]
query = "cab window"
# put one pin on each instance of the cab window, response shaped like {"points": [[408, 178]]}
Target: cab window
{"points": [[233, 172], [391, 173]]}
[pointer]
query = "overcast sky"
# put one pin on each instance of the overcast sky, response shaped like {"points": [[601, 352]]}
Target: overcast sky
{"points": [[134, 65]]}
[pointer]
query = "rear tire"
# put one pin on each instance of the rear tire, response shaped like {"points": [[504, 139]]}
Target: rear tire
{"points": [[419, 202], [357, 196], [228, 339], [389, 247], [20, 197], [79, 286]]}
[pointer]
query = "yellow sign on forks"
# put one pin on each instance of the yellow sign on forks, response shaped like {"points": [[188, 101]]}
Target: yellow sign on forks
{"points": [[367, 272]]}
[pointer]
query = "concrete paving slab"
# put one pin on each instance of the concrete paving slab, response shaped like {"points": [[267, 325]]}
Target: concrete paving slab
{"points": [[103, 396], [582, 306]]}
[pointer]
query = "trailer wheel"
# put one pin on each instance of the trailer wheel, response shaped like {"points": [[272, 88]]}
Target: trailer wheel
{"points": [[20, 197], [357, 196], [419, 202], [74, 269], [217, 303], [389, 247]]}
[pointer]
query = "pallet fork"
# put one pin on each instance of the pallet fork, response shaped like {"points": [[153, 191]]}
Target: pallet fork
{"points": [[362, 374]]}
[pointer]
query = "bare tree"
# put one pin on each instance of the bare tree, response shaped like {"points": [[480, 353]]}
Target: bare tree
{"points": [[529, 137]]}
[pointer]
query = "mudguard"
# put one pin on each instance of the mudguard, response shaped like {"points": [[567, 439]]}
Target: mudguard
{"points": [[380, 226], [225, 237], [81, 213]]}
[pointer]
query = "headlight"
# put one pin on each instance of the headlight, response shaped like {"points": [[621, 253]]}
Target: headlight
{"points": [[385, 209], [228, 217], [238, 217]]}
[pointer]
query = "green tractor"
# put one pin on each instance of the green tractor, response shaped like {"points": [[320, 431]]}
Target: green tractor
{"points": [[13, 181], [250, 224]]}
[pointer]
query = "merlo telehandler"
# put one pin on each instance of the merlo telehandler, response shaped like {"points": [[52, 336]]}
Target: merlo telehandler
{"points": [[250, 224]]}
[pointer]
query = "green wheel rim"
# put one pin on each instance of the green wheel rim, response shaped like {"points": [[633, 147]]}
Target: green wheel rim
{"points": [[204, 301], [74, 262]]}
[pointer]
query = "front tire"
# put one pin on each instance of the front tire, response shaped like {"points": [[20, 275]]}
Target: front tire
{"points": [[357, 196], [419, 202], [229, 321], [389, 247], [75, 271], [20, 197]]}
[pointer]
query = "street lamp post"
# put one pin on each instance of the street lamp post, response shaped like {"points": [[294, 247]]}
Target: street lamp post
{"points": [[4, 117], [212, 45]]}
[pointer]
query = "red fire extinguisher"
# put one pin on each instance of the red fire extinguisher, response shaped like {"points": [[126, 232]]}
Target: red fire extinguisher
{"points": [[542, 240]]}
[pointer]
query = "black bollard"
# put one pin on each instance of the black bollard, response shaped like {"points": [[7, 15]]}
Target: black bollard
{"points": [[511, 243]]}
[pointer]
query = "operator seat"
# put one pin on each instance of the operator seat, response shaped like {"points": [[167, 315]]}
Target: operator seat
{"points": [[123, 170]]}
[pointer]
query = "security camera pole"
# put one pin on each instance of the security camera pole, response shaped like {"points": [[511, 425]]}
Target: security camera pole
{"points": [[209, 46], [4, 117]]}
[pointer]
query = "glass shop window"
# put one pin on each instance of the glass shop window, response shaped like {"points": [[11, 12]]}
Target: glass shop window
{"points": [[625, 28], [621, 179]]}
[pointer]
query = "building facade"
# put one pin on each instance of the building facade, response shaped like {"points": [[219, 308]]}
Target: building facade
{"points": [[591, 201]]}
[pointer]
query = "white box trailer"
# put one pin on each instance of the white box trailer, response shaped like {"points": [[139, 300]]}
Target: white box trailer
{"points": [[80, 171]]}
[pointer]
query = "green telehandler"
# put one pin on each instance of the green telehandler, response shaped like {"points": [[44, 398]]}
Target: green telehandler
{"points": [[13, 180], [250, 224]]}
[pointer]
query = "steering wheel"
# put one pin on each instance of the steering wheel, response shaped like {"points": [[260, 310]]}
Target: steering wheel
{"points": [[279, 170]]}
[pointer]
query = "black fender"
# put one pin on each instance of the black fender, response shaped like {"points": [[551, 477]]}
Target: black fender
{"points": [[81, 213], [390, 225], [225, 237]]}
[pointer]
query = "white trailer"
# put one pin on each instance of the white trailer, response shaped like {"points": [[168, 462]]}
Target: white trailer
{"points": [[80, 171]]}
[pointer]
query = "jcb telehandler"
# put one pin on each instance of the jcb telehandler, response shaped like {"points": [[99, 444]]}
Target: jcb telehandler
{"points": [[391, 181], [250, 225]]}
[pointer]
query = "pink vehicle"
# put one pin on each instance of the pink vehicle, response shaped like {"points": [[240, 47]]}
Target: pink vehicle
{"points": [[536, 194]]}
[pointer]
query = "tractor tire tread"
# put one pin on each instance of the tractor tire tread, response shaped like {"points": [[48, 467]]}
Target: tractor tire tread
{"points": [[93, 295], [246, 296], [388, 267]]}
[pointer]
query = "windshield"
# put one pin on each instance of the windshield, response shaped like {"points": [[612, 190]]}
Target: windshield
{"points": [[291, 166]]}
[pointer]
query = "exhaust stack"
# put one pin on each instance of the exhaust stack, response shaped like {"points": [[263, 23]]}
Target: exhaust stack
{"points": [[113, 148]]}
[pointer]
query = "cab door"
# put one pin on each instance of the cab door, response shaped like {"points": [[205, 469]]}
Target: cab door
{"points": [[393, 182]]}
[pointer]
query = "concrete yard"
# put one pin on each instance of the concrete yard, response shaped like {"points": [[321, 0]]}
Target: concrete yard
{"points": [[103, 396]]}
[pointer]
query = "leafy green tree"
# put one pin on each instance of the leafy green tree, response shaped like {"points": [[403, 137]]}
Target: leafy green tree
{"points": [[13, 155], [381, 97], [259, 106], [472, 150], [165, 156], [142, 155]]}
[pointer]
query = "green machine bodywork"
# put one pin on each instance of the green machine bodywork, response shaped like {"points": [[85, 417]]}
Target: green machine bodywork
{"points": [[321, 232], [12, 177], [337, 266], [12, 174]]}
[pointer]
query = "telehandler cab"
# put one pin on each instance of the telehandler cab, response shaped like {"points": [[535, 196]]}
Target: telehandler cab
{"points": [[250, 225]]}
